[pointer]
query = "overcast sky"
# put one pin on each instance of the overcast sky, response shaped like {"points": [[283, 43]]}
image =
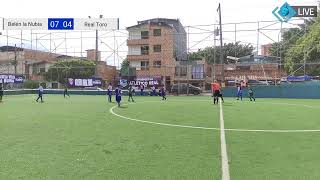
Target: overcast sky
{"points": [[193, 12]]}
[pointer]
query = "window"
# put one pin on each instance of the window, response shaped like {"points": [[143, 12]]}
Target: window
{"points": [[42, 70], [144, 50], [181, 71], [38, 69], [34, 70], [197, 72], [157, 32], [157, 48], [144, 34], [144, 65], [157, 64]]}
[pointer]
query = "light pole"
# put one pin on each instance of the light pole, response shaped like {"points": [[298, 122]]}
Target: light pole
{"points": [[97, 48], [221, 47]]}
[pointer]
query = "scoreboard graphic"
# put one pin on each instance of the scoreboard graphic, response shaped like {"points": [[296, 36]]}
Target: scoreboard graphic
{"points": [[60, 24]]}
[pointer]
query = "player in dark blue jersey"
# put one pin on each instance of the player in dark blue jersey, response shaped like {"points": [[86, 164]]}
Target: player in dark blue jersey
{"points": [[239, 92], [118, 95], [1, 92], [163, 93], [141, 89], [153, 89]]}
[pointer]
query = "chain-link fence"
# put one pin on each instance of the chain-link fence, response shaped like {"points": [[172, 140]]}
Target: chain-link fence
{"points": [[246, 50]]}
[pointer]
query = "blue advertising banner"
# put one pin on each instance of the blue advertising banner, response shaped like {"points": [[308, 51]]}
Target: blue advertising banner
{"points": [[89, 82], [11, 78], [147, 81], [298, 78]]}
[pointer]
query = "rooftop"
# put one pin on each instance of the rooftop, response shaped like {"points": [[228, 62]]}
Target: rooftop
{"points": [[172, 23]]}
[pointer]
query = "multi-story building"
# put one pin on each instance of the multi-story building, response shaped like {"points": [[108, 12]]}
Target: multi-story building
{"points": [[155, 45]]}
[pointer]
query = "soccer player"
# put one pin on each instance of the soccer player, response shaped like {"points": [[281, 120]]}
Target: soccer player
{"points": [[153, 88], [109, 93], [250, 92], [163, 93], [118, 95], [65, 92], [216, 92], [141, 89], [1, 92], [40, 93], [239, 92], [131, 92], [221, 96]]}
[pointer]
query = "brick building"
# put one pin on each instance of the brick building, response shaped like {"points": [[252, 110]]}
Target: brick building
{"points": [[26, 60], [265, 49], [33, 63], [249, 68], [192, 72], [106, 72], [155, 45]]}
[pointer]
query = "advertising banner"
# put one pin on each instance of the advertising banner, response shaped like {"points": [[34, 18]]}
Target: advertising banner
{"points": [[89, 82], [147, 81], [11, 78]]}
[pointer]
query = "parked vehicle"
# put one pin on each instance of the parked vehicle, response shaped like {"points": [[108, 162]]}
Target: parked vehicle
{"points": [[183, 88]]}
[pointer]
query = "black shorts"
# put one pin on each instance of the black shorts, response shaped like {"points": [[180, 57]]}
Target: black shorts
{"points": [[130, 94], [216, 93]]}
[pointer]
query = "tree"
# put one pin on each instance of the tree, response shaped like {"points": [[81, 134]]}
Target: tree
{"points": [[289, 38], [194, 56], [126, 70], [70, 69], [212, 54], [306, 48]]}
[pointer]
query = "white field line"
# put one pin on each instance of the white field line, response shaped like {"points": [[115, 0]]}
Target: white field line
{"points": [[224, 154], [157, 123], [218, 129]]}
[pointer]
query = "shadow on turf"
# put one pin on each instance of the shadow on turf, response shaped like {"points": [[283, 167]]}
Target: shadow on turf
{"points": [[123, 107], [107, 151]]}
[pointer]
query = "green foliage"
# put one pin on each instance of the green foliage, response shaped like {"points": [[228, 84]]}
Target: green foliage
{"points": [[297, 45], [70, 69], [31, 84], [306, 48], [194, 56], [212, 54], [289, 38], [126, 70]]}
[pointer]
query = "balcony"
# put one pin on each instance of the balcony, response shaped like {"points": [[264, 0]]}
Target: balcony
{"points": [[137, 57], [133, 42]]}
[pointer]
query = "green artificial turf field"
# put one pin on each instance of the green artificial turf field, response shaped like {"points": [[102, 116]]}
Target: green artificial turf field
{"points": [[85, 137]]}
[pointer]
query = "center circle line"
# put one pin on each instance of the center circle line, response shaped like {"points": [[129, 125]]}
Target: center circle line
{"points": [[111, 110]]}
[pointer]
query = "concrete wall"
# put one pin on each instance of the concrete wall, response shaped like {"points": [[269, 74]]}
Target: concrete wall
{"points": [[301, 91]]}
